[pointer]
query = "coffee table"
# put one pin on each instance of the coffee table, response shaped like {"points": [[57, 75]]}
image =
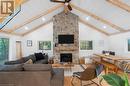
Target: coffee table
{"points": [[68, 68]]}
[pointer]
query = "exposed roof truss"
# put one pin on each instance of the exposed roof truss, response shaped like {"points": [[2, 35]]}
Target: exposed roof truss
{"points": [[120, 4], [100, 19]]}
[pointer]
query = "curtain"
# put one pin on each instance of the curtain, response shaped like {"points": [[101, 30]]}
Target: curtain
{"points": [[4, 49]]}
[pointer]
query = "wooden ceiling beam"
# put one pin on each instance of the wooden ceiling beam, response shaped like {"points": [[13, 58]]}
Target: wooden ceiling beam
{"points": [[82, 21], [120, 32], [25, 1], [6, 32], [93, 27], [120, 4], [20, 2], [97, 18], [36, 17], [36, 28]]}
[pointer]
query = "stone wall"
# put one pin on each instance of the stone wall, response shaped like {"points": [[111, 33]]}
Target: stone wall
{"points": [[66, 24]]}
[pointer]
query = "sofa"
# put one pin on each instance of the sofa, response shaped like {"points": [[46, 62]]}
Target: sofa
{"points": [[31, 75], [37, 58]]}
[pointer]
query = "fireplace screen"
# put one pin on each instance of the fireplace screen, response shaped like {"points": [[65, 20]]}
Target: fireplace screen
{"points": [[66, 57]]}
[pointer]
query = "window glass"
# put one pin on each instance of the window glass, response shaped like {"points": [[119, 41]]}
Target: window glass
{"points": [[4, 49]]}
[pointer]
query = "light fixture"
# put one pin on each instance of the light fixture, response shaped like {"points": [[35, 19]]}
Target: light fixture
{"points": [[43, 19], [104, 26], [26, 28], [87, 18]]}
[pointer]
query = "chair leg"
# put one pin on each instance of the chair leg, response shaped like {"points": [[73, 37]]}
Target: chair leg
{"points": [[94, 82]]}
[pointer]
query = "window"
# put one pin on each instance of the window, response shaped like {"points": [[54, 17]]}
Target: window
{"points": [[86, 45], [4, 49], [44, 45]]}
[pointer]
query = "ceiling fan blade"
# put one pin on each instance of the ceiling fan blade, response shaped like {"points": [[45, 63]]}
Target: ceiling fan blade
{"points": [[69, 7], [57, 1]]}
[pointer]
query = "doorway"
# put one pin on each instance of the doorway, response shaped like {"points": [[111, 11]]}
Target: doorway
{"points": [[18, 49]]}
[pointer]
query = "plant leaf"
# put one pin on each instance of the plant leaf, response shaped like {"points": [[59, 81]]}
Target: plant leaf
{"points": [[114, 80], [126, 79]]}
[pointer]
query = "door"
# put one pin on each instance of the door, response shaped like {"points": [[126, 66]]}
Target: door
{"points": [[18, 49]]}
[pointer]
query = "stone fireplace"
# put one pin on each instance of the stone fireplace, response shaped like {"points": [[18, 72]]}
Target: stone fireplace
{"points": [[66, 25]]}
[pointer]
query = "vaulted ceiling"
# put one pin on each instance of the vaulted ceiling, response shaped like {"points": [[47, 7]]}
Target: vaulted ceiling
{"points": [[106, 16]]}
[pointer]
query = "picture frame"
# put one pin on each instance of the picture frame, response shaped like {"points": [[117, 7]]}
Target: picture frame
{"points": [[29, 43], [86, 45], [44, 45]]}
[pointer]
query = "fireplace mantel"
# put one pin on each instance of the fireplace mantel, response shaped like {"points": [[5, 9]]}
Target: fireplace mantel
{"points": [[65, 48]]}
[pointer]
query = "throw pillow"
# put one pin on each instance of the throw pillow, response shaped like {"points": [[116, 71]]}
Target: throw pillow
{"points": [[32, 57], [39, 56], [29, 61]]}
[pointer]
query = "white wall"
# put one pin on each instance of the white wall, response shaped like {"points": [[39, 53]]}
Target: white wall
{"points": [[118, 43], [100, 41], [12, 44], [46, 34]]}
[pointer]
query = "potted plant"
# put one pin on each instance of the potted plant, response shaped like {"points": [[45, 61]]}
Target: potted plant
{"points": [[116, 80]]}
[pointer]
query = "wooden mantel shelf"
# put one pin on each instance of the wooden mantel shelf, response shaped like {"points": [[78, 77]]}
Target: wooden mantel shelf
{"points": [[63, 48]]}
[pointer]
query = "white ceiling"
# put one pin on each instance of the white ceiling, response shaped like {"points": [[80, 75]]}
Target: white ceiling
{"points": [[101, 8], [126, 2]]}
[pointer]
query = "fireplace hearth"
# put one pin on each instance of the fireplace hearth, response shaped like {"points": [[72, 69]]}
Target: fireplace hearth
{"points": [[66, 57]]}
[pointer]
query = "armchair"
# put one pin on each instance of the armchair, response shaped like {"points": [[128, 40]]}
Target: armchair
{"points": [[90, 73]]}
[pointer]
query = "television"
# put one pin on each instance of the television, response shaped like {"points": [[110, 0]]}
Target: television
{"points": [[65, 39]]}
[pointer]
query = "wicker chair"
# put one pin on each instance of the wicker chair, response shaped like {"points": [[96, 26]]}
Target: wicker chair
{"points": [[87, 75]]}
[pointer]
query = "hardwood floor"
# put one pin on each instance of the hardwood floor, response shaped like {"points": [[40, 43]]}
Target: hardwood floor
{"points": [[76, 82], [67, 81]]}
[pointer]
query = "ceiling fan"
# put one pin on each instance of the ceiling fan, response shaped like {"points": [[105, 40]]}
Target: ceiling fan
{"points": [[66, 2]]}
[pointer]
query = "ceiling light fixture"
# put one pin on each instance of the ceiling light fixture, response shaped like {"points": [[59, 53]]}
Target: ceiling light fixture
{"points": [[104, 26], [26, 28], [87, 18], [43, 19]]}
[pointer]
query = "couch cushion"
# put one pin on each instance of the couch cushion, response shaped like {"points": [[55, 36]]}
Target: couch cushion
{"points": [[19, 61], [39, 56], [17, 67], [29, 57], [7, 85], [44, 61], [45, 56], [58, 77], [37, 67]]}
